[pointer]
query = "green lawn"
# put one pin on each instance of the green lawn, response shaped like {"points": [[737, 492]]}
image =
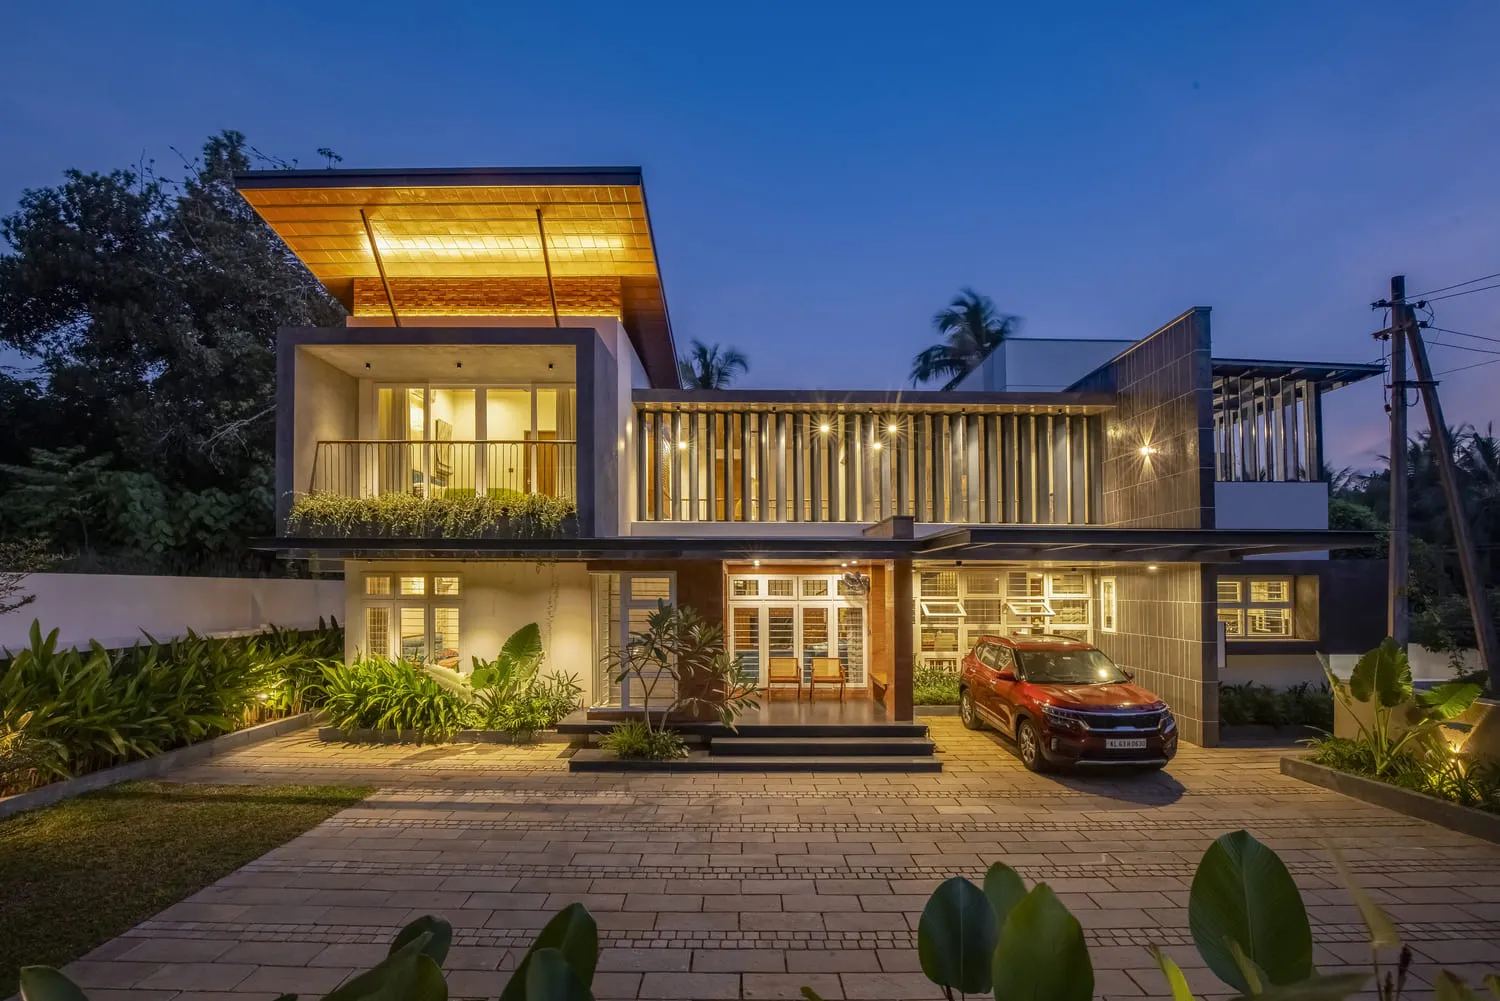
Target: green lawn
{"points": [[74, 875]]}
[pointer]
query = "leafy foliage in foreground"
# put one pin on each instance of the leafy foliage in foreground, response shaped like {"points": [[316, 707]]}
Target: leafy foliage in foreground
{"points": [[455, 515], [67, 712]]}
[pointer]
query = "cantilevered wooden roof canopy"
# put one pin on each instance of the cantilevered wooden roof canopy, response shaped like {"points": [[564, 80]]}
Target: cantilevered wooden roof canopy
{"points": [[408, 244]]}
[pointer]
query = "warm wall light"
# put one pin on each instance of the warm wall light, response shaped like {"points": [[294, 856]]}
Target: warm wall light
{"points": [[1148, 450], [755, 562], [875, 446], [825, 428], [892, 428], [1151, 566], [682, 445]]}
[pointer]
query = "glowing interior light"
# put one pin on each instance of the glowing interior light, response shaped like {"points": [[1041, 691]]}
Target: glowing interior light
{"points": [[757, 562], [824, 428], [1148, 450], [891, 428], [682, 445], [875, 446]]}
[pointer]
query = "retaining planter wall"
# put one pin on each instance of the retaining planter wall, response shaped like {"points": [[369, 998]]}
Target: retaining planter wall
{"points": [[334, 735], [148, 768], [1464, 819]]}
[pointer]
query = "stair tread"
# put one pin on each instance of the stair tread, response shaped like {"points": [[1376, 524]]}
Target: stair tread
{"points": [[822, 741], [596, 760]]}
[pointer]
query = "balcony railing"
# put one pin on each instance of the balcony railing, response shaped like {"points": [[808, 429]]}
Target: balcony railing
{"points": [[445, 468]]}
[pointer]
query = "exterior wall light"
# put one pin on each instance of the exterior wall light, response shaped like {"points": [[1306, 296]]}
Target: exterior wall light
{"points": [[1148, 450], [825, 428], [1151, 566], [755, 562], [892, 428], [682, 445], [874, 446]]}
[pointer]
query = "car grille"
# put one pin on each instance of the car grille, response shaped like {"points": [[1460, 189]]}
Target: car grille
{"points": [[1107, 721]]}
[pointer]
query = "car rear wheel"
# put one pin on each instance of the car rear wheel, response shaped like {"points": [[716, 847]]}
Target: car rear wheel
{"points": [[968, 712], [1029, 746]]}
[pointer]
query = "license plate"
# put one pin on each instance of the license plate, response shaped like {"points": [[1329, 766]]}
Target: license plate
{"points": [[1125, 743]]}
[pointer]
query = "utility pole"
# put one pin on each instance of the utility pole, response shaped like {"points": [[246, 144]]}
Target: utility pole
{"points": [[1468, 558], [1398, 619]]}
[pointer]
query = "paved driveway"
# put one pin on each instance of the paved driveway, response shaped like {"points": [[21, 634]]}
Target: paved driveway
{"points": [[754, 885]]}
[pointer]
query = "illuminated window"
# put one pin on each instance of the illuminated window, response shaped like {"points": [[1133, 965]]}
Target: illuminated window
{"points": [[1278, 591], [377, 584], [814, 587], [413, 585], [1262, 608], [445, 637], [377, 631], [1108, 604], [1234, 621], [413, 640], [445, 586], [783, 588], [745, 587]]}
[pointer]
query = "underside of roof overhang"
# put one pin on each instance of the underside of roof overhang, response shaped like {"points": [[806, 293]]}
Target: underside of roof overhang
{"points": [[400, 245]]}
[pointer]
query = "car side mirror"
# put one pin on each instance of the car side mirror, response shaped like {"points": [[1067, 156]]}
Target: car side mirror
{"points": [[1006, 674], [1129, 675]]}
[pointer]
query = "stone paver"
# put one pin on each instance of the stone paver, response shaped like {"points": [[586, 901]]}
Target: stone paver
{"points": [[753, 885]]}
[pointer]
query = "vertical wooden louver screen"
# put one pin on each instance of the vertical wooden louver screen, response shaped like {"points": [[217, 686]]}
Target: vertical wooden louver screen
{"points": [[937, 466]]}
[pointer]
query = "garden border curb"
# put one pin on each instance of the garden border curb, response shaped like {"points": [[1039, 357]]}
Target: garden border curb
{"points": [[333, 735], [1463, 819], [154, 766]]}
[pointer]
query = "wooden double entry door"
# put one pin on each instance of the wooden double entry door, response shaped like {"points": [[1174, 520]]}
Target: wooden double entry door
{"points": [[804, 616]]}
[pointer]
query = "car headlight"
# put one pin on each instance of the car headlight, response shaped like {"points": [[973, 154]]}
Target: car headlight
{"points": [[1168, 721], [1066, 719]]}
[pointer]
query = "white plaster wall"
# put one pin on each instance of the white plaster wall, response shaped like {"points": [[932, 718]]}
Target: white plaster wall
{"points": [[495, 600], [325, 407], [116, 609], [1040, 364]]}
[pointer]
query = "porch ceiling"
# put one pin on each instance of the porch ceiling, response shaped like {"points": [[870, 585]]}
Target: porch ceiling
{"points": [[488, 363]]}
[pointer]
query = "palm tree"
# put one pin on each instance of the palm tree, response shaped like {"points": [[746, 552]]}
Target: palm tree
{"points": [[707, 367], [971, 327]]}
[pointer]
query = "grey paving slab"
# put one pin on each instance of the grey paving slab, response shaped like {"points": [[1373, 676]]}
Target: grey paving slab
{"points": [[753, 886]]}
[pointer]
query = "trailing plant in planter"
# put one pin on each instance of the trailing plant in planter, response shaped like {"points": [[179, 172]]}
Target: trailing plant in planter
{"points": [[454, 514]]}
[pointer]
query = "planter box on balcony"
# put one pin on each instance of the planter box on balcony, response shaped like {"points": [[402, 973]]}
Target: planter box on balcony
{"points": [[375, 530]]}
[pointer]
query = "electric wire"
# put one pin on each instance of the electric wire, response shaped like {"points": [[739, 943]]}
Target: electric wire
{"points": [[1471, 281], [1454, 295], [1465, 368]]}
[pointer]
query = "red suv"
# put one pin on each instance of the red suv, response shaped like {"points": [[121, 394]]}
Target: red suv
{"points": [[1063, 702]]}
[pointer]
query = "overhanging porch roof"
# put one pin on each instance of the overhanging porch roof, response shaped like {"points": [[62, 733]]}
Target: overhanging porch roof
{"points": [[1023, 543]]}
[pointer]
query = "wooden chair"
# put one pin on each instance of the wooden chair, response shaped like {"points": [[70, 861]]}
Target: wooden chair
{"points": [[783, 671], [827, 670]]}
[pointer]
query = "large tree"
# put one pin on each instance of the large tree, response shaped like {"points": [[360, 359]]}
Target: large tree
{"points": [[147, 307], [970, 327]]}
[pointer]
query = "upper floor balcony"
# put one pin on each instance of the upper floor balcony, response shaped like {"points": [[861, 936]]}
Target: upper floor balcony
{"points": [[423, 433], [947, 458]]}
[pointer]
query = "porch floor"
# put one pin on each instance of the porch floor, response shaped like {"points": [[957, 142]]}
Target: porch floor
{"points": [[783, 710]]}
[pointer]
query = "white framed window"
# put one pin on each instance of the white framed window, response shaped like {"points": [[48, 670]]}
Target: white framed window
{"points": [[1257, 608], [416, 617], [1108, 605]]}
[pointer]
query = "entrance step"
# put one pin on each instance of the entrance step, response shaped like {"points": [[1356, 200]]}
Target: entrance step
{"points": [[840, 746], [595, 760], [818, 730]]}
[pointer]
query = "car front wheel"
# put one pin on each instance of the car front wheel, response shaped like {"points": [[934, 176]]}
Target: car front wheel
{"points": [[1029, 746], [968, 712]]}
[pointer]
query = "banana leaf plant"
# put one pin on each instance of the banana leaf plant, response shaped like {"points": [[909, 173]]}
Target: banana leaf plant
{"points": [[1403, 720], [510, 673]]}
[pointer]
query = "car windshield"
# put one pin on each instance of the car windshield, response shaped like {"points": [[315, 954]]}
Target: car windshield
{"points": [[1069, 667]]}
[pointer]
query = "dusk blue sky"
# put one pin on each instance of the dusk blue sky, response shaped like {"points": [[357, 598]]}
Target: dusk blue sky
{"points": [[822, 179]]}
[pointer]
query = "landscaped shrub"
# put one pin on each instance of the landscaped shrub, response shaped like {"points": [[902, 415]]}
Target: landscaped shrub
{"points": [[540, 705], [78, 711], [1405, 742], [380, 694], [635, 739], [453, 515], [933, 686], [1301, 704]]}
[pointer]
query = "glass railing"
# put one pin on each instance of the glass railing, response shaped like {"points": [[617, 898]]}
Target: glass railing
{"points": [[452, 469]]}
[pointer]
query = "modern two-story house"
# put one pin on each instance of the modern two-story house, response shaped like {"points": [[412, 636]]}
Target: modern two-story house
{"points": [[499, 436]]}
